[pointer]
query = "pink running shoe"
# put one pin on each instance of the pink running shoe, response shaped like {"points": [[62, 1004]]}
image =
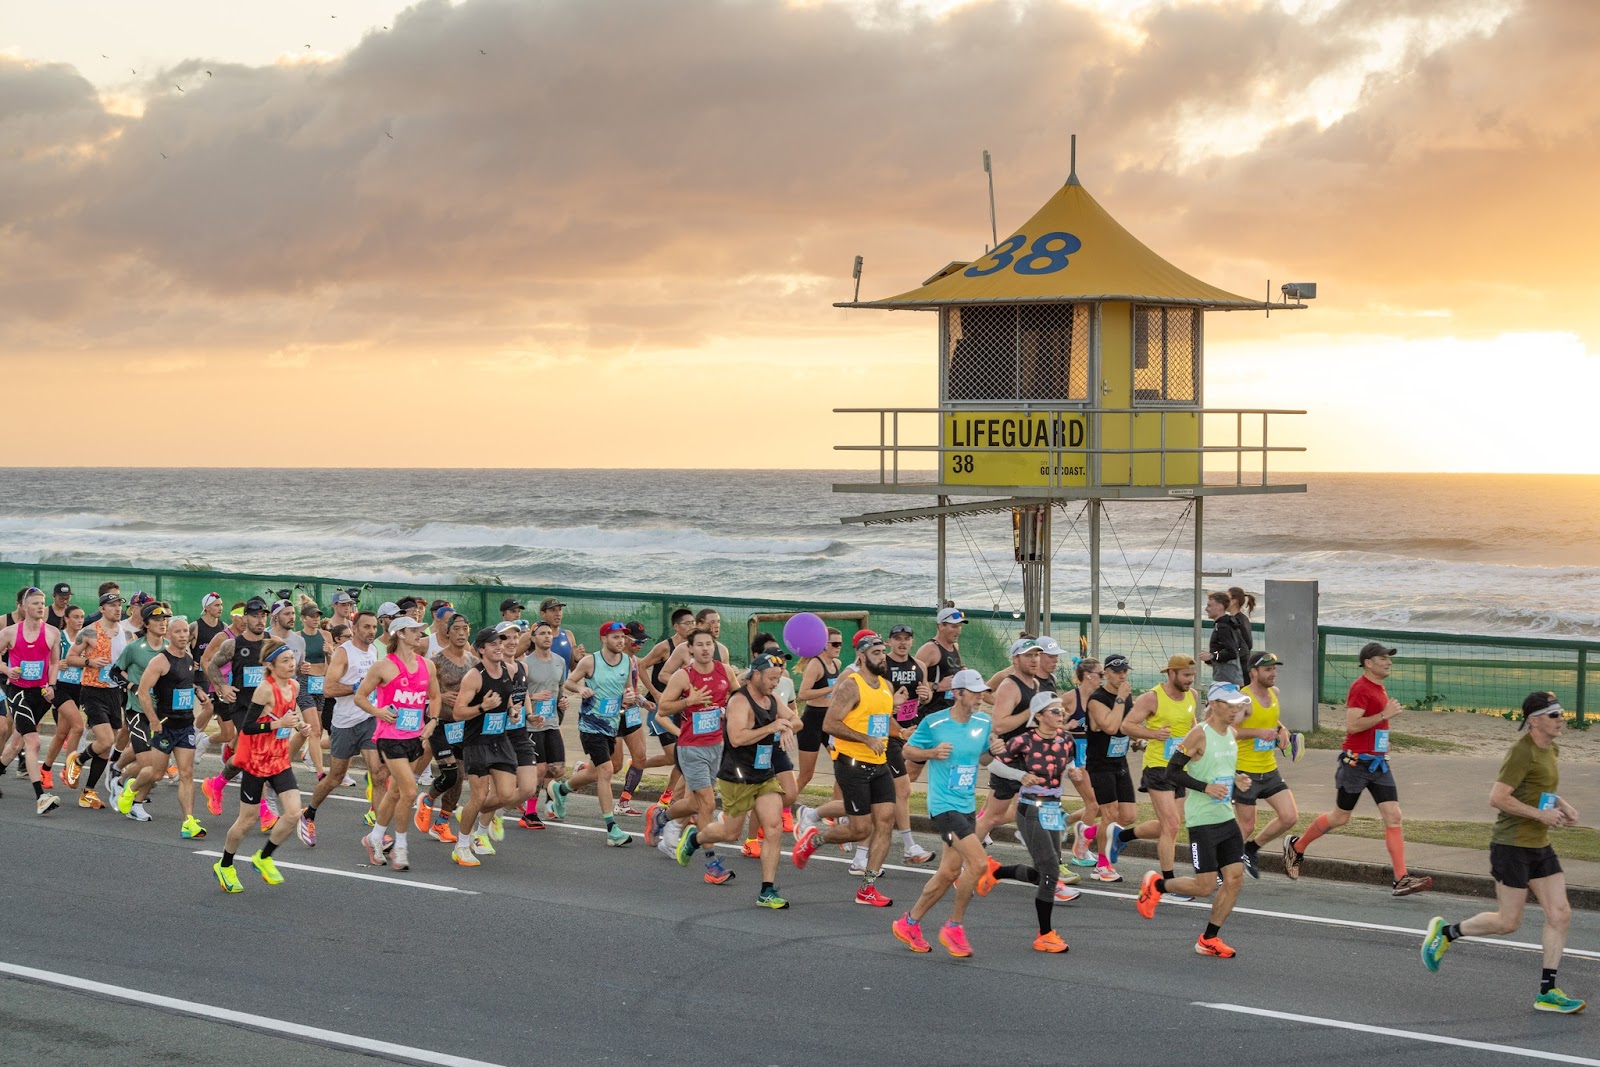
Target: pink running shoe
{"points": [[911, 933], [954, 937], [212, 788]]}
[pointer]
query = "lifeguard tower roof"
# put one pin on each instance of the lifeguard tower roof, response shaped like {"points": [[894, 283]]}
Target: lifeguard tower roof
{"points": [[1107, 264]]}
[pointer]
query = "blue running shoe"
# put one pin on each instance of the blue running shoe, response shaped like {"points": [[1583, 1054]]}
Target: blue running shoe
{"points": [[1115, 843], [716, 873], [654, 825]]}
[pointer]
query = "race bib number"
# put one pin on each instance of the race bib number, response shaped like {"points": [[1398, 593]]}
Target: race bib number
{"points": [[763, 758], [1117, 746], [877, 726], [253, 676], [545, 709], [964, 778], [282, 733], [494, 723], [708, 721], [610, 707], [183, 699], [1380, 740], [1226, 781], [831, 681], [1170, 745], [105, 675], [631, 717], [408, 719], [455, 732], [1548, 801], [1080, 750], [1050, 815], [1265, 744], [32, 670], [70, 675], [314, 685]]}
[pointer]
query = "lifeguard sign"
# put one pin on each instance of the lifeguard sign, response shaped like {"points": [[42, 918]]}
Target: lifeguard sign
{"points": [[1070, 361]]}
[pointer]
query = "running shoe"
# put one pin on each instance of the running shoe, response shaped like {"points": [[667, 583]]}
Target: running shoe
{"points": [[653, 826], [369, 817], [1297, 747], [424, 816], [805, 845], [530, 821], [617, 837], [686, 846], [465, 857], [987, 880], [269, 818], [113, 784], [1114, 844], [369, 780], [1149, 895], [1066, 894], [191, 830], [266, 868], [1555, 1000], [90, 799], [22, 768], [1066, 875], [625, 807], [1049, 942], [1080, 844], [1291, 858], [137, 813], [125, 799], [202, 743], [769, 898], [227, 878], [953, 936], [666, 798], [788, 821], [46, 779], [910, 933], [482, 845], [1178, 898], [347, 783], [751, 848], [400, 859], [1251, 867], [212, 788], [74, 769], [918, 854], [803, 819], [1434, 943], [374, 855], [497, 827], [440, 831], [716, 873], [307, 831], [172, 772], [424, 780], [1213, 946], [858, 864], [556, 794], [869, 895], [46, 803], [1411, 883]]}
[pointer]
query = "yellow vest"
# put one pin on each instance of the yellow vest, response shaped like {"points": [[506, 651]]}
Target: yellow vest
{"points": [[1253, 758], [1175, 715], [870, 716]]}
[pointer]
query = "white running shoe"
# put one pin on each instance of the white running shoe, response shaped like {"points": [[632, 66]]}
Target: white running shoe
{"points": [[138, 814], [917, 854], [1066, 894], [348, 783], [201, 744]]}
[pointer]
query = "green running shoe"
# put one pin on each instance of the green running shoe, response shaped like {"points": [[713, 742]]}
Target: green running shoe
{"points": [[1555, 1000], [556, 793], [617, 837], [1434, 943], [686, 846], [191, 829], [227, 878], [769, 898], [266, 868], [125, 798]]}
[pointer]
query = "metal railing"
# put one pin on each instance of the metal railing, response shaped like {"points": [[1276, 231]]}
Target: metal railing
{"points": [[1098, 423]]}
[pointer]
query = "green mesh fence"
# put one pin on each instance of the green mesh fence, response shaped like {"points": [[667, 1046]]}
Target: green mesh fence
{"points": [[1450, 671]]}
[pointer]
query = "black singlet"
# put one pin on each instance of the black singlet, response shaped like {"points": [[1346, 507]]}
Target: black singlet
{"points": [[1097, 755], [739, 762], [948, 663]]}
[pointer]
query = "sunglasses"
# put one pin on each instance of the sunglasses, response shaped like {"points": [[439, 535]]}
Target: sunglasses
{"points": [[835, 644]]}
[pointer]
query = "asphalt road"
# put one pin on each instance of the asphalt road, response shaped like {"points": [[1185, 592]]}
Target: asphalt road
{"points": [[564, 950]]}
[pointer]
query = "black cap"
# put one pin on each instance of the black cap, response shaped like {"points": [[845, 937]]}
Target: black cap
{"points": [[62, 589], [255, 606], [637, 632], [512, 604], [1264, 659], [901, 628], [110, 598], [407, 602], [551, 602], [485, 636], [1373, 649], [1115, 662], [1539, 704]]}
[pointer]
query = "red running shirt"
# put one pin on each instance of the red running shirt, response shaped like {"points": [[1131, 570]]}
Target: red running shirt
{"points": [[265, 755]]}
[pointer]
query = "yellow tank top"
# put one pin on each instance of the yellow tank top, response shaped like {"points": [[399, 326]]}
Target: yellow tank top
{"points": [[870, 716], [1258, 755], [1175, 715]]}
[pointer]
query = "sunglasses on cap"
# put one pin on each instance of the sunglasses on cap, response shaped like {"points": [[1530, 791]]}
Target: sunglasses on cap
{"points": [[157, 612]]}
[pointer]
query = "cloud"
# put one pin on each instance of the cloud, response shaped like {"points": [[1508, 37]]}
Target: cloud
{"points": [[611, 175]]}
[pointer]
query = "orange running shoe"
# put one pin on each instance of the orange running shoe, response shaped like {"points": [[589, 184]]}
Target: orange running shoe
{"points": [[424, 819], [268, 819], [172, 772], [440, 831], [788, 821], [90, 799], [1149, 895], [987, 880], [1050, 942], [46, 779], [74, 769], [1213, 946], [752, 848]]}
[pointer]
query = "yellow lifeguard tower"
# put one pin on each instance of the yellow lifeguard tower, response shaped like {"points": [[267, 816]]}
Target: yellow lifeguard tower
{"points": [[1070, 369]]}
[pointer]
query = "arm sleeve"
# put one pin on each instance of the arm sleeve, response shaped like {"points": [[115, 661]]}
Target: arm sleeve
{"points": [[1176, 772], [1005, 770]]}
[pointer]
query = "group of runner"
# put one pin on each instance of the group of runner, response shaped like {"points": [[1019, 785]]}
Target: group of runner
{"points": [[439, 710]]}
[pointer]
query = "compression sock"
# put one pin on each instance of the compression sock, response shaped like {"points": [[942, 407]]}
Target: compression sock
{"points": [[97, 767], [1394, 839], [1212, 930], [269, 848], [1318, 827], [631, 780], [1044, 909], [1020, 872], [116, 756], [1453, 931], [1547, 980]]}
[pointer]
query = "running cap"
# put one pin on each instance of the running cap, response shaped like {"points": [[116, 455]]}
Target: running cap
{"points": [[444, 609], [542, 625], [1022, 646], [502, 627], [210, 599], [111, 598], [255, 606], [310, 608], [1041, 701], [141, 597], [342, 597], [512, 604], [763, 660], [607, 629], [950, 616], [1115, 662], [406, 603], [636, 632], [279, 605], [864, 640], [485, 636], [1264, 659], [62, 589], [551, 602], [901, 628], [404, 622], [1228, 693], [389, 608], [156, 611], [1049, 646], [1179, 662], [970, 680], [1374, 649], [1540, 704]]}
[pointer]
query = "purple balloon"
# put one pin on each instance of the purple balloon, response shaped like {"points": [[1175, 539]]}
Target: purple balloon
{"points": [[805, 634]]}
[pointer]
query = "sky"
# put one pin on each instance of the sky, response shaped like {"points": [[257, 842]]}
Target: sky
{"points": [[612, 234]]}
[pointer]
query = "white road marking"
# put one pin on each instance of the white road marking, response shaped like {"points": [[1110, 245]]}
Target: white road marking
{"points": [[408, 882], [1412, 1035], [241, 1018]]}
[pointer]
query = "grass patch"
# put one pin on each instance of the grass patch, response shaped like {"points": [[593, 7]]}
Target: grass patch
{"points": [[1329, 739]]}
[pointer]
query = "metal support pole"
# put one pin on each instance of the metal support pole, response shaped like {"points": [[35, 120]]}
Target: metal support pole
{"points": [[1199, 578], [939, 591], [1094, 576], [1048, 563]]}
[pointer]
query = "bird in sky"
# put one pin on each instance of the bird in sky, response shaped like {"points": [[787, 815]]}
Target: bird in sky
{"points": [[389, 135], [163, 155], [104, 56], [481, 52], [178, 87], [208, 74], [130, 68]]}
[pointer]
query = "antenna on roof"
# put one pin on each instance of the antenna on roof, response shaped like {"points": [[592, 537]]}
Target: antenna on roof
{"points": [[855, 273], [1072, 178], [989, 170]]}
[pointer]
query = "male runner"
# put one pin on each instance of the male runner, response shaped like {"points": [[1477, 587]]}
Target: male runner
{"points": [[247, 670], [1261, 735], [131, 665], [167, 699], [691, 709], [1013, 696], [482, 704], [941, 659], [1520, 855], [565, 643], [912, 690], [61, 600], [93, 652], [1364, 767], [605, 701], [1161, 718], [353, 728], [547, 710]]}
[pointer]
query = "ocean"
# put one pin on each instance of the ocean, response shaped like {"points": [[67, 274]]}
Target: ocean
{"points": [[1491, 554]]}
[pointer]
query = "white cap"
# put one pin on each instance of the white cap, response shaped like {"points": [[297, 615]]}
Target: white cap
{"points": [[970, 680], [208, 600], [389, 608], [950, 615], [1228, 693], [404, 622], [502, 627], [1022, 645], [1049, 646], [1043, 700]]}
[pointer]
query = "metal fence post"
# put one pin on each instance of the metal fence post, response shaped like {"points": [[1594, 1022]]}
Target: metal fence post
{"points": [[1322, 670], [1583, 677], [1427, 685]]}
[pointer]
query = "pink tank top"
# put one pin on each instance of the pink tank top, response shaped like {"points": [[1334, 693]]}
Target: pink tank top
{"points": [[407, 694], [29, 660]]}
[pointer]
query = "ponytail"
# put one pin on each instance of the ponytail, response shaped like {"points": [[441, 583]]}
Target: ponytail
{"points": [[1246, 601]]}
